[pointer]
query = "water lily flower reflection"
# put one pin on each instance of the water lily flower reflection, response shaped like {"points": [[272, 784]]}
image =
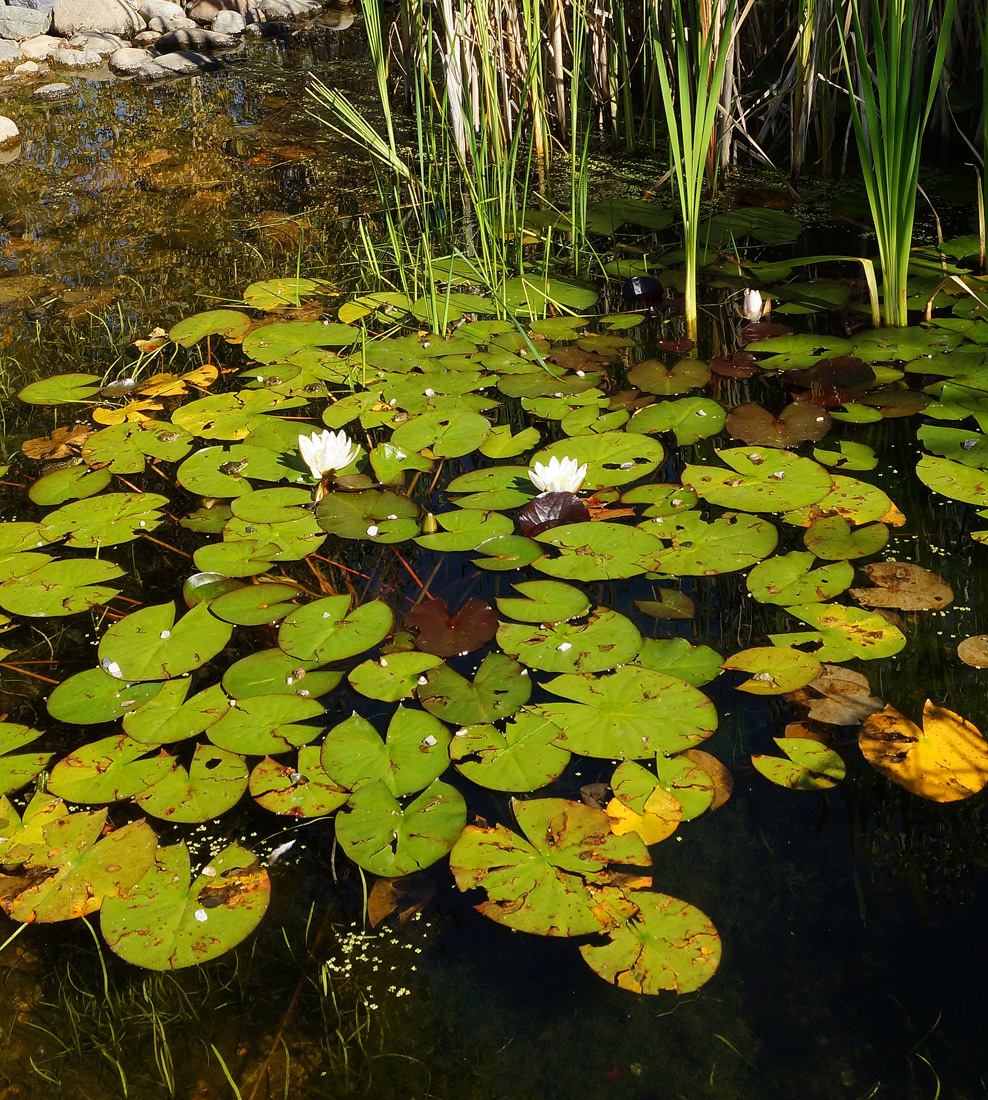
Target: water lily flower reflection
{"points": [[327, 451], [560, 475]]}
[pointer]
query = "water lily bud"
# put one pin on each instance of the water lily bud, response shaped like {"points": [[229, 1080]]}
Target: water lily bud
{"points": [[430, 525], [752, 305]]}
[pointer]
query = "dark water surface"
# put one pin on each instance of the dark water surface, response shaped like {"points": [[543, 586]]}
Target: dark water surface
{"points": [[853, 922]]}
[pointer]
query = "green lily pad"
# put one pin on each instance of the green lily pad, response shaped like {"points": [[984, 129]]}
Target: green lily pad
{"points": [[442, 434], [598, 551], [396, 676], [628, 715], [850, 497], [834, 537], [667, 945], [553, 880], [256, 604], [62, 389], [274, 342], [500, 443], [848, 456], [545, 602], [231, 416], [275, 672], [700, 548], [696, 664], [278, 293], [385, 839], [507, 552], [265, 725], [847, 632], [150, 645], [302, 789], [774, 669], [268, 506], [213, 783], [73, 483], [105, 520], [370, 515], [765, 225], [232, 324], [689, 419], [641, 804], [499, 687], [94, 696], [466, 529], [810, 767], [107, 770], [60, 588], [607, 639], [413, 754], [612, 458], [609, 215], [791, 578], [662, 500], [954, 479], [85, 871], [533, 295], [389, 463], [125, 448], [521, 758], [760, 480], [169, 716], [165, 922], [689, 783], [17, 769], [328, 630]]}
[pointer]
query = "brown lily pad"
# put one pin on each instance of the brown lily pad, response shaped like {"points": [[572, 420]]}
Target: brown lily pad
{"points": [[905, 586], [446, 635], [973, 651], [838, 697], [796, 423]]}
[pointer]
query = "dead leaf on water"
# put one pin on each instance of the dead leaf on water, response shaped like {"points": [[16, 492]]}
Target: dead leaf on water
{"points": [[973, 651], [837, 696], [945, 761], [62, 443], [905, 586], [723, 781]]}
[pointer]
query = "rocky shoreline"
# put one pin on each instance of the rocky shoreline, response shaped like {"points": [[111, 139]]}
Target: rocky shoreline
{"points": [[157, 40]]}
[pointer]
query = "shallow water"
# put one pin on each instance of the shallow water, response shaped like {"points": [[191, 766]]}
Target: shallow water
{"points": [[852, 921]]}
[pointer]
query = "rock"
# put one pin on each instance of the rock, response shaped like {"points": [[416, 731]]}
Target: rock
{"points": [[37, 5], [8, 130], [163, 9], [128, 60], [199, 40], [10, 53], [335, 20], [20, 23], [28, 68], [163, 26], [287, 9], [229, 22], [112, 16], [205, 11], [103, 44], [42, 47], [188, 62], [146, 38], [10, 153], [75, 59], [52, 91]]}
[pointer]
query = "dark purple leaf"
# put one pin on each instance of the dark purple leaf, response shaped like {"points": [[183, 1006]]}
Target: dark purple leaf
{"points": [[445, 635], [551, 510]]}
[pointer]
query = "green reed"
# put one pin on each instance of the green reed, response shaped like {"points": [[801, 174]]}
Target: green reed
{"points": [[890, 107]]}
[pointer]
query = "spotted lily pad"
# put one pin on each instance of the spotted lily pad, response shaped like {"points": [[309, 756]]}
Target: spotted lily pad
{"points": [[169, 716], [371, 515], [212, 783], [60, 588], [107, 770], [150, 644], [847, 632], [545, 602], [381, 836], [689, 419], [629, 715], [263, 725], [810, 766], [704, 548], [413, 754], [792, 579], [607, 639], [328, 630], [393, 677], [105, 520], [166, 922], [17, 769], [667, 945], [760, 480], [696, 664], [641, 804], [612, 458], [299, 789], [499, 687], [774, 670], [598, 551], [521, 758]]}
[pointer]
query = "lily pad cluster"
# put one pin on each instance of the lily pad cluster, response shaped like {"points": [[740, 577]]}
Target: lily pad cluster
{"points": [[314, 486]]}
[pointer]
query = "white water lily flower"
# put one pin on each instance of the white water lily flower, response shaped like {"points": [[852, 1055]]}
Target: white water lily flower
{"points": [[327, 451], [752, 305], [561, 475]]}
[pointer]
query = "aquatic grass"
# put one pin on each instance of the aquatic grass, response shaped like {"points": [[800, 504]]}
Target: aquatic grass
{"points": [[890, 107], [690, 77]]}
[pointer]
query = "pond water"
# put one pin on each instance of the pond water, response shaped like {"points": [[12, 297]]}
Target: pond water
{"points": [[851, 918]]}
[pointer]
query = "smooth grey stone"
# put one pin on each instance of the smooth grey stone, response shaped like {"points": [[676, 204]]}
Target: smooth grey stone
{"points": [[10, 53], [201, 41], [113, 16], [8, 130], [20, 23], [104, 44], [187, 62], [205, 11], [10, 153], [37, 5], [52, 91], [162, 26], [287, 9], [163, 9], [128, 60], [28, 68], [146, 38], [42, 47], [75, 59], [229, 22]]}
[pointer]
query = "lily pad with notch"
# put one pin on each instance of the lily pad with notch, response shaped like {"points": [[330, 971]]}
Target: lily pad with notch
{"points": [[149, 644], [256, 604], [275, 672], [370, 515], [383, 837], [835, 537], [107, 770], [705, 548], [522, 757], [170, 716], [690, 419], [598, 551], [792, 579], [760, 480], [810, 766], [696, 664], [17, 769], [393, 677], [641, 804], [847, 632], [264, 725], [612, 458], [59, 588], [71, 483], [329, 630], [105, 520], [605, 640], [452, 635], [301, 789], [212, 783], [499, 687], [774, 669], [94, 696]]}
